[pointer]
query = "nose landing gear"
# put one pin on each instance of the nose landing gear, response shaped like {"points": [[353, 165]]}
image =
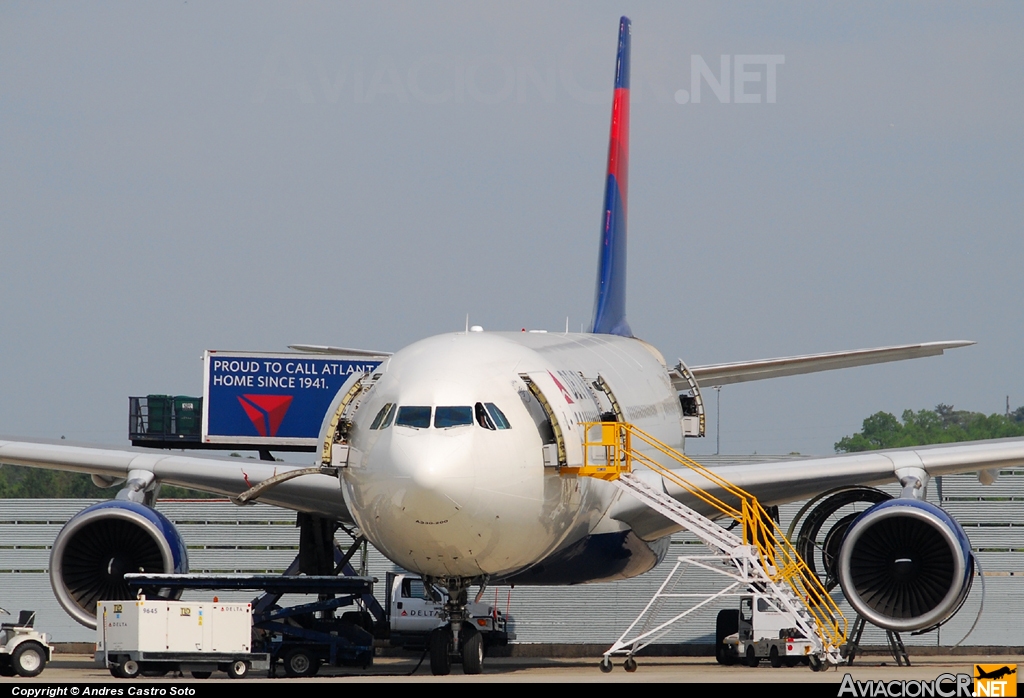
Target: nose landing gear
{"points": [[457, 641], [443, 652]]}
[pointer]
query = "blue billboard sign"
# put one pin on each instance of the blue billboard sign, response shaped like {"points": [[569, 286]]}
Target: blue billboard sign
{"points": [[262, 399]]}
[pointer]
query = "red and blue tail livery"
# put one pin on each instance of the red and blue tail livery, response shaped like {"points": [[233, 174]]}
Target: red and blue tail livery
{"points": [[610, 300]]}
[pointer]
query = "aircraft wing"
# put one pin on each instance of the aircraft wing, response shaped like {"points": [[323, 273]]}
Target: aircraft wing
{"points": [[343, 351], [314, 494], [742, 371], [778, 482]]}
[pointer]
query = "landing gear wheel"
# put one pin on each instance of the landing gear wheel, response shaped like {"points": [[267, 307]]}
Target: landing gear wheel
{"points": [[440, 651], [129, 669], [815, 663], [202, 674], [28, 659], [472, 651], [774, 657], [298, 662], [238, 669], [606, 665], [629, 665], [752, 659]]}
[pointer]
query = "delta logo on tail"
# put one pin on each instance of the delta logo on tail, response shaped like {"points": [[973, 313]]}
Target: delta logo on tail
{"points": [[265, 411]]}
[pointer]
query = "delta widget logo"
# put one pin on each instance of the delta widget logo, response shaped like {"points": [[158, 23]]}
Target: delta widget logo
{"points": [[265, 411]]}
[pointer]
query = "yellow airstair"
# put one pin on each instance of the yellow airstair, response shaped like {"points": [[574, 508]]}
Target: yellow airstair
{"points": [[761, 556]]}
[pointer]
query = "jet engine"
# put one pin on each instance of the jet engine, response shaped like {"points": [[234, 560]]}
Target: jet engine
{"points": [[906, 564], [102, 543]]}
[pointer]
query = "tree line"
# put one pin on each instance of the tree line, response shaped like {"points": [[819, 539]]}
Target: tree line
{"points": [[944, 424]]}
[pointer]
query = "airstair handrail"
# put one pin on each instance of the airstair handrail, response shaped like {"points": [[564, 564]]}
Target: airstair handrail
{"points": [[616, 445]]}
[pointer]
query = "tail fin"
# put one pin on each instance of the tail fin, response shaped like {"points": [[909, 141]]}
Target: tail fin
{"points": [[610, 301]]}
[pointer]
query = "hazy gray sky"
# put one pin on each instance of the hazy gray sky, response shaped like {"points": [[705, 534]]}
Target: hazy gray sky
{"points": [[182, 176]]}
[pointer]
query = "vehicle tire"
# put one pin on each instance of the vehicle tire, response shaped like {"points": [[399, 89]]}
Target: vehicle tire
{"points": [[5, 667], [299, 662], [776, 660], [726, 624], [440, 651], [606, 665], [129, 669], [238, 669], [28, 659], [752, 660], [472, 650], [814, 662], [629, 665], [202, 674]]}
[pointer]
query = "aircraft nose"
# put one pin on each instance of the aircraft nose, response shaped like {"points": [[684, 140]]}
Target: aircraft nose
{"points": [[437, 468], [432, 463]]}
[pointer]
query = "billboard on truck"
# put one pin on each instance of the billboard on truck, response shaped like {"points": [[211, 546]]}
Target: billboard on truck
{"points": [[262, 399]]}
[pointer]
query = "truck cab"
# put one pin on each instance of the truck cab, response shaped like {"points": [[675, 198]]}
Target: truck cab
{"points": [[413, 611], [758, 630]]}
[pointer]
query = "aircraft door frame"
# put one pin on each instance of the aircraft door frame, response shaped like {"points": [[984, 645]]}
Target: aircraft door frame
{"points": [[555, 399]]}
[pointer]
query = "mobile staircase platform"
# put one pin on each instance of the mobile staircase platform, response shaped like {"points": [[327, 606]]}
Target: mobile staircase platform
{"points": [[760, 559]]}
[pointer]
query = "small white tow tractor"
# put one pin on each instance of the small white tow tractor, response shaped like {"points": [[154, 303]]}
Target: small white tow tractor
{"points": [[23, 650], [759, 630]]}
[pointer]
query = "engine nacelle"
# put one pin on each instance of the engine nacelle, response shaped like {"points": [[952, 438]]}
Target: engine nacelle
{"points": [[102, 543], [905, 565]]}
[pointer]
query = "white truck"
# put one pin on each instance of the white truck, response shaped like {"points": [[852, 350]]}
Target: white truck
{"points": [[24, 651], [759, 630], [154, 636], [413, 614]]}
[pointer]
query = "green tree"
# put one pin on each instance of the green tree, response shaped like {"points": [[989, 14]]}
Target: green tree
{"points": [[17, 482], [944, 424]]}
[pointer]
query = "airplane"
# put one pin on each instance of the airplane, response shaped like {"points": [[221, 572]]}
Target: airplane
{"points": [[452, 459], [995, 673]]}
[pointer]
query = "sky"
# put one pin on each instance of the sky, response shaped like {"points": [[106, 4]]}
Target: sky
{"points": [[182, 176]]}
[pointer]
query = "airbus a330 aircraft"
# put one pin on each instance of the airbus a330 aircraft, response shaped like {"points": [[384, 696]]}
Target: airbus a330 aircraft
{"points": [[453, 453]]}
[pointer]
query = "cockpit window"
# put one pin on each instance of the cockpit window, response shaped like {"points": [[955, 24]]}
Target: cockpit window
{"points": [[384, 417], [498, 416], [416, 417], [388, 417], [445, 417], [482, 418]]}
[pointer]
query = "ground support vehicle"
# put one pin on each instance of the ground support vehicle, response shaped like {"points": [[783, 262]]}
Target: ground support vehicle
{"points": [[300, 637], [758, 630], [23, 650], [414, 612], [305, 637], [155, 636]]}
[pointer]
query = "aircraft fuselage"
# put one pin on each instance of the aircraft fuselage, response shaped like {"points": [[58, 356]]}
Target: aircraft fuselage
{"points": [[439, 486]]}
